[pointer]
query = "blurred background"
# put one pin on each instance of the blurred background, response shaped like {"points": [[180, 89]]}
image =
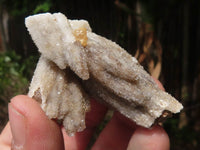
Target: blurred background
{"points": [[163, 35]]}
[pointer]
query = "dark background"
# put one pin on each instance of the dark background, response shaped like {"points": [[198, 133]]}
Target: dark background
{"points": [[163, 35]]}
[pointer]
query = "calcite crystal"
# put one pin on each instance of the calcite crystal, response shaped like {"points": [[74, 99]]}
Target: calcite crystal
{"points": [[75, 61], [60, 95]]}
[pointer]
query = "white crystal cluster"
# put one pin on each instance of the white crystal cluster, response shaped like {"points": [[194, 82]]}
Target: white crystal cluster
{"points": [[75, 61], [60, 95]]}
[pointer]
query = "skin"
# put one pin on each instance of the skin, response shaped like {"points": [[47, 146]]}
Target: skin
{"points": [[30, 129]]}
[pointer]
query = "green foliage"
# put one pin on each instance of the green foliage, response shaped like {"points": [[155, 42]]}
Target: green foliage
{"points": [[44, 7], [14, 74], [25, 7]]}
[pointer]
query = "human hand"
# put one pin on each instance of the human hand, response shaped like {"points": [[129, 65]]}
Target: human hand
{"points": [[30, 129]]}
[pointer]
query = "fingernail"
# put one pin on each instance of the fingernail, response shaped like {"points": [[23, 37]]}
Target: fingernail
{"points": [[17, 123]]}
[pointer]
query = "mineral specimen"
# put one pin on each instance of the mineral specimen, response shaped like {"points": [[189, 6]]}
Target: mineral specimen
{"points": [[75, 61]]}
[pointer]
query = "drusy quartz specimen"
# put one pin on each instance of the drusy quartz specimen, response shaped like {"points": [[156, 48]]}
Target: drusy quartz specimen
{"points": [[76, 63]]}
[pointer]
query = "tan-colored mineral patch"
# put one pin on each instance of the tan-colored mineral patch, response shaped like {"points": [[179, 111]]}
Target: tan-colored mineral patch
{"points": [[81, 36]]}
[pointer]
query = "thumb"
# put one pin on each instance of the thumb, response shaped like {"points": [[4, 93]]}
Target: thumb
{"points": [[31, 128], [154, 138]]}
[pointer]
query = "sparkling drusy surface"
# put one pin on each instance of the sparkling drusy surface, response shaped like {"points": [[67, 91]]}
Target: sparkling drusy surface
{"points": [[76, 63]]}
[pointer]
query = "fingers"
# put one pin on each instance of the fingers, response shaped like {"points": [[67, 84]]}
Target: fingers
{"points": [[81, 139], [31, 128], [121, 133], [149, 139], [116, 135]]}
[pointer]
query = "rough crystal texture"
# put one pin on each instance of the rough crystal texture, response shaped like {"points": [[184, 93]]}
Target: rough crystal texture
{"points": [[107, 71], [60, 95], [54, 38]]}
